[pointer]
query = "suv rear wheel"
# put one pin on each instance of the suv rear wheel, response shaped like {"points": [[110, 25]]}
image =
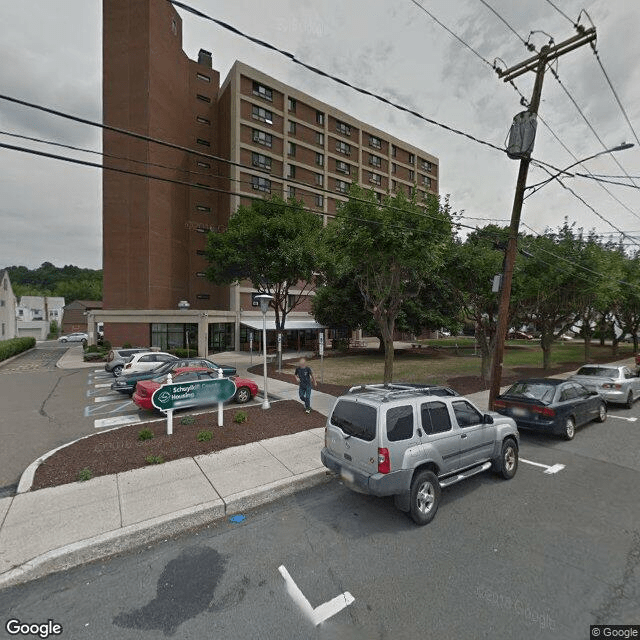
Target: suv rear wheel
{"points": [[117, 370], [425, 497], [507, 464]]}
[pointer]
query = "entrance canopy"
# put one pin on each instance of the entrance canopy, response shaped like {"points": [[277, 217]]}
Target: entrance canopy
{"points": [[289, 325]]}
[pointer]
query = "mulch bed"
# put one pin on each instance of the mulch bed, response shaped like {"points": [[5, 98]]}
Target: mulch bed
{"points": [[288, 367], [119, 450]]}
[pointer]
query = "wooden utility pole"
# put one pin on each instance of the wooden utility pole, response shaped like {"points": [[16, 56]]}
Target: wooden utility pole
{"points": [[537, 63]]}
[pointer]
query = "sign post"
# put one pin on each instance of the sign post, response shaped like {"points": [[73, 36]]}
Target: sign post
{"points": [[251, 345], [220, 403], [321, 350], [279, 351]]}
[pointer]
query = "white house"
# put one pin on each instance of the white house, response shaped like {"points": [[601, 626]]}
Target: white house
{"points": [[34, 314], [7, 307]]}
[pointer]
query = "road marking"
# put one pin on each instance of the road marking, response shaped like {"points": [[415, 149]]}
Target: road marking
{"points": [[101, 408], [99, 371], [623, 418], [102, 385], [117, 420], [323, 611], [110, 398], [548, 469]]}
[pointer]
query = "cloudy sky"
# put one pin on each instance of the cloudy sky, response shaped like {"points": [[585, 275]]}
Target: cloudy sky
{"points": [[51, 54]]}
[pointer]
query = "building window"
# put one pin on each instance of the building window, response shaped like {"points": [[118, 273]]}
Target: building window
{"points": [[292, 105], [261, 184], [291, 151], [426, 181], [379, 198], [203, 165], [394, 151], [262, 91], [342, 186], [258, 113], [261, 161], [174, 27], [319, 199], [319, 179], [20, 312], [262, 137], [427, 166], [412, 158], [3, 328], [394, 168], [292, 192], [203, 296], [320, 159], [202, 120], [1, 303], [411, 174], [203, 98], [394, 185], [291, 171], [204, 78], [319, 138], [375, 161], [374, 178], [375, 142], [320, 118], [343, 167], [204, 143], [343, 147], [203, 208], [343, 128], [201, 252], [292, 127]]}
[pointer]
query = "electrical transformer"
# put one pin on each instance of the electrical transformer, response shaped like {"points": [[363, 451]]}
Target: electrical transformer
{"points": [[522, 135]]}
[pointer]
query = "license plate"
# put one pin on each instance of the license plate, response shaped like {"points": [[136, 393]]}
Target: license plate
{"points": [[347, 476], [520, 412]]}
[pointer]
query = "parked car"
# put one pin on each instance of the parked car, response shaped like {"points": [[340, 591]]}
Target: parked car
{"points": [[127, 383], [245, 389], [117, 358], [615, 384], [551, 406], [77, 336], [146, 361], [519, 335], [431, 389], [409, 443]]}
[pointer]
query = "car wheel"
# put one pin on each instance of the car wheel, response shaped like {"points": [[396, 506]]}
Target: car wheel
{"points": [[84, 342], [602, 413], [629, 402], [569, 429], [425, 497], [507, 464], [117, 370], [63, 339], [243, 394]]}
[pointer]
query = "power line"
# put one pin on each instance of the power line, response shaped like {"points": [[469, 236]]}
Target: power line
{"points": [[292, 58], [504, 21], [562, 13]]}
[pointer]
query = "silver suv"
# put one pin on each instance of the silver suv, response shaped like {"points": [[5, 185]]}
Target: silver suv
{"points": [[402, 441]]}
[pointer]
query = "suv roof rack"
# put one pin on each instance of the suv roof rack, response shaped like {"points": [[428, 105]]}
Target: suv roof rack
{"points": [[394, 390]]}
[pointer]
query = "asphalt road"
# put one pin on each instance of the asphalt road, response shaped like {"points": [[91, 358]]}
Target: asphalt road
{"points": [[540, 556], [39, 409]]}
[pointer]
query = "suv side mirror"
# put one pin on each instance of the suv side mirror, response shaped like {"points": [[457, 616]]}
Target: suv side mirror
{"points": [[487, 419]]}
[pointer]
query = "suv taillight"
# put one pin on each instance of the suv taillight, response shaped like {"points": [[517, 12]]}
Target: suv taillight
{"points": [[384, 463], [544, 411]]}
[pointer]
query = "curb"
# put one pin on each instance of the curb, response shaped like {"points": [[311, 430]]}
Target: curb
{"points": [[140, 534], [18, 355]]}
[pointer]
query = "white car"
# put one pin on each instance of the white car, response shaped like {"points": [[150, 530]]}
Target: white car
{"points": [[78, 336], [147, 360]]}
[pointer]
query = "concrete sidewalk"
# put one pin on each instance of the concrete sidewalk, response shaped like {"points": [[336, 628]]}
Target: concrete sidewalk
{"points": [[74, 359]]}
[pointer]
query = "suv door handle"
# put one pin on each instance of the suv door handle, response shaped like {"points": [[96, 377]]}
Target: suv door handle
{"points": [[464, 435]]}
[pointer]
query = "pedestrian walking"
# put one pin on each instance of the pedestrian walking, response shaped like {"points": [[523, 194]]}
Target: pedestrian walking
{"points": [[305, 378]]}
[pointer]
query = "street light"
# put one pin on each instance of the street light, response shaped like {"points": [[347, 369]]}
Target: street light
{"points": [[264, 299], [539, 185]]}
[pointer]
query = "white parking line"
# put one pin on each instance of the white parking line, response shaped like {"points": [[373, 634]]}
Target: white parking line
{"points": [[102, 384], [321, 612], [99, 371], [117, 420], [110, 398], [548, 469], [623, 418]]}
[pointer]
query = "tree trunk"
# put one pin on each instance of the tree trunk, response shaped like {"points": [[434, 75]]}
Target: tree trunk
{"points": [[614, 346], [546, 341], [388, 360], [635, 343], [587, 348]]}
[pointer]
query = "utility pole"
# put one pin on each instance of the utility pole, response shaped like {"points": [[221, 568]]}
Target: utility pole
{"points": [[537, 63]]}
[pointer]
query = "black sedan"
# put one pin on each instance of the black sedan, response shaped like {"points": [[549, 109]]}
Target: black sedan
{"points": [[126, 383], [551, 406]]}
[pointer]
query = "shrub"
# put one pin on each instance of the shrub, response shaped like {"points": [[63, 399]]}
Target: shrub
{"points": [[84, 474], [106, 345], [126, 345], [92, 348], [145, 434], [13, 347], [184, 353], [240, 417], [90, 356], [154, 459], [187, 420], [205, 436]]}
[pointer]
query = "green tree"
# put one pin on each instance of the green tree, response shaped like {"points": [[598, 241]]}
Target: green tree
{"points": [[391, 249], [273, 244]]}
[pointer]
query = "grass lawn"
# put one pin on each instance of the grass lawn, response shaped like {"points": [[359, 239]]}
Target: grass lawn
{"points": [[436, 367]]}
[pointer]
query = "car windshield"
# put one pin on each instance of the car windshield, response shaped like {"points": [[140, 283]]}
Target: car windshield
{"points": [[355, 419], [532, 391], [601, 372]]}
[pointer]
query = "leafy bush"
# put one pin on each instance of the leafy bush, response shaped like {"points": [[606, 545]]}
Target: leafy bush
{"points": [[154, 459], [145, 434], [187, 420], [240, 417], [13, 347], [184, 353], [92, 348], [205, 436], [126, 345], [106, 345], [90, 356], [84, 474]]}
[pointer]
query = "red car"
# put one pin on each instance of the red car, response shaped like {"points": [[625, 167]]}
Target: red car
{"points": [[246, 389]]}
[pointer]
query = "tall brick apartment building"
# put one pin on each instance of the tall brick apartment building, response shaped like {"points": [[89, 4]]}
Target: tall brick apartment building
{"points": [[154, 233]]}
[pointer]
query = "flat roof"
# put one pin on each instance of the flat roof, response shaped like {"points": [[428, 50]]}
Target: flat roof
{"points": [[289, 325]]}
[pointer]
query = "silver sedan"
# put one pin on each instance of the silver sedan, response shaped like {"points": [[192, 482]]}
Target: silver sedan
{"points": [[614, 384]]}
